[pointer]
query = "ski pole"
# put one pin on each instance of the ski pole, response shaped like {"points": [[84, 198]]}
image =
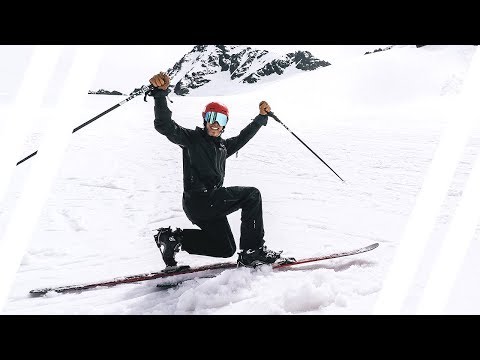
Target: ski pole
{"points": [[271, 114], [137, 92]]}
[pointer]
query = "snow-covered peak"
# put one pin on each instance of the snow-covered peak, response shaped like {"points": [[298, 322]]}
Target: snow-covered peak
{"points": [[228, 69]]}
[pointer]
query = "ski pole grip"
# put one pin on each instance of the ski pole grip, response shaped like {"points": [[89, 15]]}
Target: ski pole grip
{"points": [[272, 115]]}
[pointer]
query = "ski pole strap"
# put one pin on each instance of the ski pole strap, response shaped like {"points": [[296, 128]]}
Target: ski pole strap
{"points": [[150, 89]]}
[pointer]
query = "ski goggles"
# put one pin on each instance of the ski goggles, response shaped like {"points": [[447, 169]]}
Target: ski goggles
{"points": [[212, 116]]}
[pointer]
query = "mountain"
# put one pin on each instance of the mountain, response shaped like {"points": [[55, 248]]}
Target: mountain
{"points": [[383, 49], [205, 69], [105, 92]]}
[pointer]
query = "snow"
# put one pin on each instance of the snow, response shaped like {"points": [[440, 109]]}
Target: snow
{"points": [[376, 120]]}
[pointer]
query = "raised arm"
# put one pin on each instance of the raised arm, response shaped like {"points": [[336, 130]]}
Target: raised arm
{"points": [[235, 143], [163, 122]]}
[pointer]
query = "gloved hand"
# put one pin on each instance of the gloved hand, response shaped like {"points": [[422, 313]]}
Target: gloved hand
{"points": [[264, 108], [160, 80], [262, 118], [159, 86]]}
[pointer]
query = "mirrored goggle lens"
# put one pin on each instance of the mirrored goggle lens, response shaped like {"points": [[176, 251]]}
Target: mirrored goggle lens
{"points": [[212, 116]]}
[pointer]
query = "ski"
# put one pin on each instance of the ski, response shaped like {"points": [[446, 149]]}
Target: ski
{"points": [[185, 270], [282, 263]]}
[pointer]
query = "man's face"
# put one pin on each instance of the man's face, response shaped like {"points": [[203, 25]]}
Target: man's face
{"points": [[214, 129]]}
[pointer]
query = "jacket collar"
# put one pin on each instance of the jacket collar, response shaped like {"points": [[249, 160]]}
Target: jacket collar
{"points": [[208, 137]]}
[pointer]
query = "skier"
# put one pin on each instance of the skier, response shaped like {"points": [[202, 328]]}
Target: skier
{"points": [[206, 202]]}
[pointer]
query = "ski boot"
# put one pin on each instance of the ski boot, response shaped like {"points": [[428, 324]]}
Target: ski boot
{"points": [[257, 257], [169, 243]]}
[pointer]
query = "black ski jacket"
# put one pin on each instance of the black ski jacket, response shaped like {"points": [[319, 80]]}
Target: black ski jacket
{"points": [[204, 156]]}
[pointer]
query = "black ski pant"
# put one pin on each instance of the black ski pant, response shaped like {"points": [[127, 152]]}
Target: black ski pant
{"points": [[209, 210]]}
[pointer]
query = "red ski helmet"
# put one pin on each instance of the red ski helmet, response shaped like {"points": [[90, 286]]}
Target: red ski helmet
{"points": [[215, 107]]}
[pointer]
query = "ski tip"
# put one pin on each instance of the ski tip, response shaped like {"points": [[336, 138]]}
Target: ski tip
{"points": [[370, 247]]}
